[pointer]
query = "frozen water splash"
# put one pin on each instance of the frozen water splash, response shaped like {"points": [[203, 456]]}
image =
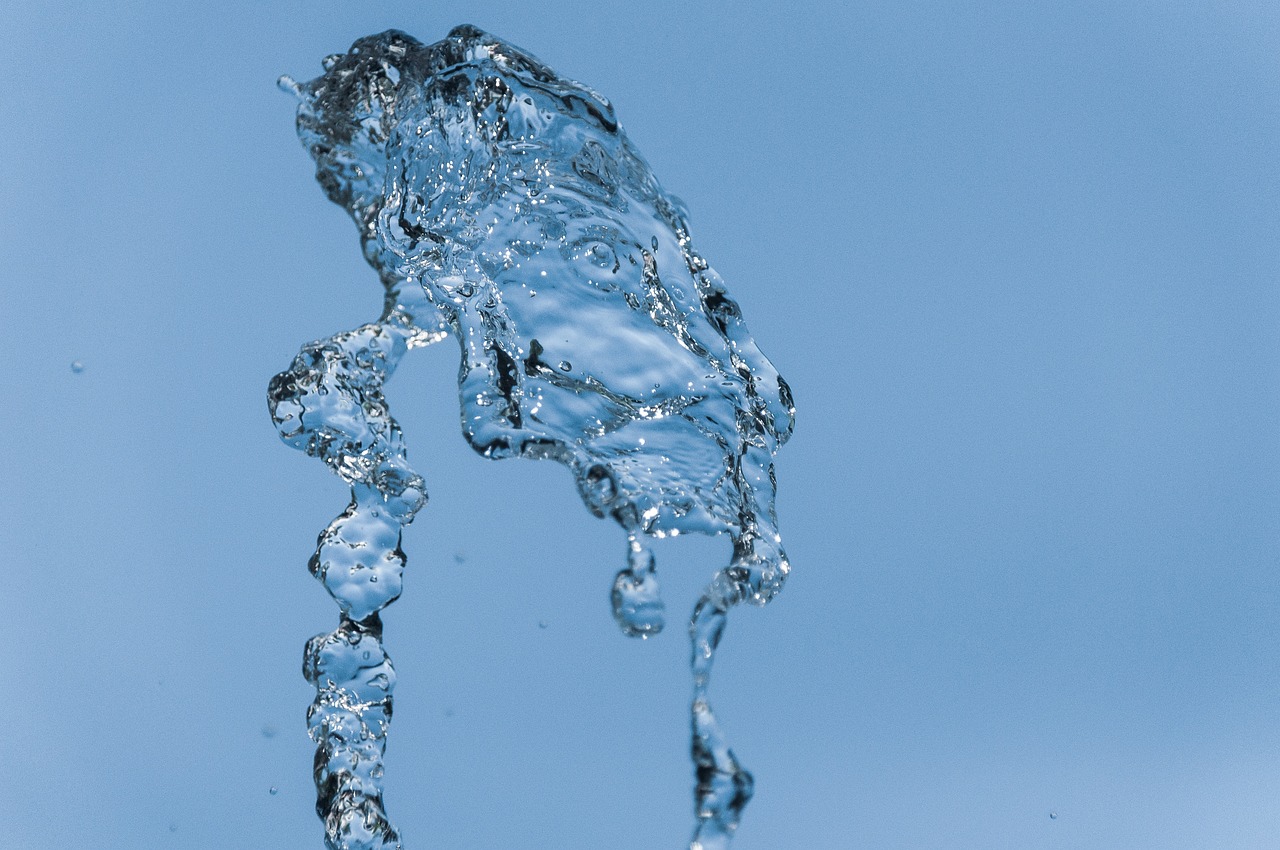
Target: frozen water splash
{"points": [[503, 205]]}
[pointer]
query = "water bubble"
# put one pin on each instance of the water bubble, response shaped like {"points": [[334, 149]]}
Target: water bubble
{"points": [[1053, 815], [274, 791], [77, 366]]}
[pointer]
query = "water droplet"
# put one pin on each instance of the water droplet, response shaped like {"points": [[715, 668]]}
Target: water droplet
{"points": [[269, 730], [1053, 815], [274, 790], [637, 603], [542, 624], [77, 366], [288, 84]]}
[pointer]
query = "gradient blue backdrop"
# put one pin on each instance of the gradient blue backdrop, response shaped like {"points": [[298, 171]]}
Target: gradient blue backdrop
{"points": [[1019, 263]]}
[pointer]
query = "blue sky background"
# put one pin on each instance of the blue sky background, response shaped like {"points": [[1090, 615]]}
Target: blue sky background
{"points": [[1019, 263]]}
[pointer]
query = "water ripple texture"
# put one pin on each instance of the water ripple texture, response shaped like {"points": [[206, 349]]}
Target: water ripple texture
{"points": [[502, 205]]}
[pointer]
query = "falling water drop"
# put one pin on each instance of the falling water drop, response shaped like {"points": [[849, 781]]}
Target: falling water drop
{"points": [[637, 603], [77, 366]]}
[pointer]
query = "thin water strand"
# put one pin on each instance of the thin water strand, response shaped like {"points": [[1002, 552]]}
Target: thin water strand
{"points": [[503, 205], [329, 404], [722, 787]]}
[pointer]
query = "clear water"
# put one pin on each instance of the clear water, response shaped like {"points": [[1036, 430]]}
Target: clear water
{"points": [[503, 205]]}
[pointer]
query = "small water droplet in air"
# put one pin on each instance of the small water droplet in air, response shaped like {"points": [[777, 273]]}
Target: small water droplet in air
{"points": [[459, 557], [542, 624], [173, 827], [566, 366], [274, 790], [77, 366], [269, 731], [1053, 815]]}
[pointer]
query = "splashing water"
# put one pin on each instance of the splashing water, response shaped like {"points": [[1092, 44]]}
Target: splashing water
{"points": [[503, 205]]}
